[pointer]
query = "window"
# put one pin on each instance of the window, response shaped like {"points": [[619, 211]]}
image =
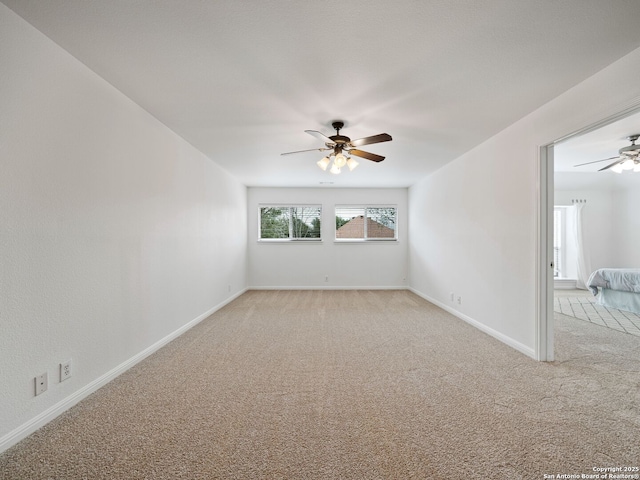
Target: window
{"points": [[365, 223], [286, 222]]}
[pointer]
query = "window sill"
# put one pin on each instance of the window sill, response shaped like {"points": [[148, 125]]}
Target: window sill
{"points": [[297, 242], [361, 241]]}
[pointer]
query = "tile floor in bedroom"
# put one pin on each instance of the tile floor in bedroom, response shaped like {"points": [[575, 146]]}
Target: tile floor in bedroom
{"points": [[581, 304]]}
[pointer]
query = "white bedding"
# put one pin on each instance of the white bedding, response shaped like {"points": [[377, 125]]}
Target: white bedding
{"points": [[621, 279], [628, 301]]}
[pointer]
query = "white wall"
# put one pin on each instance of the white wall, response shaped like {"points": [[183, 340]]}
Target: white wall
{"points": [[611, 219], [626, 221], [306, 264], [474, 221], [115, 232], [597, 222], [627, 226]]}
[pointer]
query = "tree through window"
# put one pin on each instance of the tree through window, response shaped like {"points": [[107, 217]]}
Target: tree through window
{"points": [[286, 222]]}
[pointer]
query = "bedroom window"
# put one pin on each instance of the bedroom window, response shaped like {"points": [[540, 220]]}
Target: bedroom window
{"points": [[290, 223], [366, 223]]}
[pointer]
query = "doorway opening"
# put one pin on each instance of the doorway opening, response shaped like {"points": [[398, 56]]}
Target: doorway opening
{"points": [[585, 223]]}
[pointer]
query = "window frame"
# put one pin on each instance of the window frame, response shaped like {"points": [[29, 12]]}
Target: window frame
{"points": [[290, 238], [365, 207]]}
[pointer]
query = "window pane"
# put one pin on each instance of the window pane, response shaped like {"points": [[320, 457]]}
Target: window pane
{"points": [[306, 222], [274, 222], [365, 223], [350, 222], [381, 222]]}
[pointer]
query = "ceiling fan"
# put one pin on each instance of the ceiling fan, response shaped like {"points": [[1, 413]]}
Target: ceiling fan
{"points": [[339, 145], [628, 158]]}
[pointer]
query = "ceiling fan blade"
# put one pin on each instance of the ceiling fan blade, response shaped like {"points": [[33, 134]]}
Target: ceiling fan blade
{"points": [[382, 137], [611, 164], [369, 156], [320, 136], [596, 161], [310, 150]]}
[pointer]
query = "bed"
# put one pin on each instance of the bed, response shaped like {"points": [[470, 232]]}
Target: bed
{"points": [[617, 288]]}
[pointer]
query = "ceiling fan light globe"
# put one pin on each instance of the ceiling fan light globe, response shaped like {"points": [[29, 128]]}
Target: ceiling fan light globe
{"points": [[636, 168], [335, 169], [627, 164], [340, 160], [324, 163], [351, 163], [617, 168]]}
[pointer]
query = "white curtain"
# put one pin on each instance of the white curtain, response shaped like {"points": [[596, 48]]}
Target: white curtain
{"points": [[584, 268]]}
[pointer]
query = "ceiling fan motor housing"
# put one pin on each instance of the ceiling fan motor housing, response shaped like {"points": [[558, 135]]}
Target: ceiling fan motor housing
{"points": [[340, 139], [631, 149], [337, 138]]}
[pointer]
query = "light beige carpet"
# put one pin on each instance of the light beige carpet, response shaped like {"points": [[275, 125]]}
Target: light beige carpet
{"points": [[349, 384]]}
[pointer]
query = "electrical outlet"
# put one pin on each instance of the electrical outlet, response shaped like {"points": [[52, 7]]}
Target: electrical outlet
{"points": [[459, 300], [42, 383], [452, 296], [65, 370], [326, 278], [229, 288]]}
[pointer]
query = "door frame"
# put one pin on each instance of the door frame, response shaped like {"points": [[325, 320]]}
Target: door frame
{"points": [[544, 346], [544, 325]]}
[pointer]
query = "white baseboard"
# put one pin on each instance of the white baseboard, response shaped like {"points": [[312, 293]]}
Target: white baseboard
{"points": [[45, 417], [564, 284], [333, 287], [530, 352]]}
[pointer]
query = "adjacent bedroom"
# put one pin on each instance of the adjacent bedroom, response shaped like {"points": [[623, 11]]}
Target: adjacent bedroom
{"points": [[597, 228]]}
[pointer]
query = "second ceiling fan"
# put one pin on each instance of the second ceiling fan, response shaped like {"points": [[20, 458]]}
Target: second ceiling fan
{"points": [[628, 158]]}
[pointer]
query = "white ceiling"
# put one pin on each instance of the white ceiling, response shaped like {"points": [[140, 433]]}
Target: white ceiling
{"points": [[242, 80]]}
